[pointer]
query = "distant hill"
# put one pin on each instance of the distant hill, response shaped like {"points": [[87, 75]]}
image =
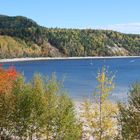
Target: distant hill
{"points": [[22, 37]]}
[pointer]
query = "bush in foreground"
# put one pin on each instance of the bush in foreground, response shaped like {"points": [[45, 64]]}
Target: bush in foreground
{"points": [[38, 109]]}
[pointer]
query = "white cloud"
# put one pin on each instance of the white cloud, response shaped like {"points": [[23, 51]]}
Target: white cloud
{"points": [[133, 28]]}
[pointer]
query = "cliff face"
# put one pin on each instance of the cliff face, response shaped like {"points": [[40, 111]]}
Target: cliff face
{"points": [[22, 37]]}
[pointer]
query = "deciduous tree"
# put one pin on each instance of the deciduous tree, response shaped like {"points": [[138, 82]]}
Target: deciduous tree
{"points": [[100, 115]]}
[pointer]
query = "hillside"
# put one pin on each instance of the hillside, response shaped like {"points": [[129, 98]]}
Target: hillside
{"points": [[22, 37]]}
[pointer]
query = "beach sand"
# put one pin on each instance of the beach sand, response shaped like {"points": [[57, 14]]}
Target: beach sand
{"points": [[62, 58]]}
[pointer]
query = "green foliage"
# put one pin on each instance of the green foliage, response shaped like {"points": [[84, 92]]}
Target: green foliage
{"points": [[129, 115], [39, 109], [41, 41]]}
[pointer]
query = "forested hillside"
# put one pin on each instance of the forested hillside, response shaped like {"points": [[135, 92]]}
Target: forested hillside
{"points": [[22, 37]]}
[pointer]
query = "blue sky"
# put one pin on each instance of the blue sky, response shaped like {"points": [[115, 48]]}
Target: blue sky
{"points": [[120, 15]]}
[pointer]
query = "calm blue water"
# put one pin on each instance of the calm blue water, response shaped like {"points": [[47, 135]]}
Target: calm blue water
{"points": [[80, 75]]}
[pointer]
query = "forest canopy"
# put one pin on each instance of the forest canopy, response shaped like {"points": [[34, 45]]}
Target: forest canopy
{"points": [[25, 38]]}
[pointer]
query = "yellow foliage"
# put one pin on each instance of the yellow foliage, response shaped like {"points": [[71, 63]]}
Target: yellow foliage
{"points": [[12, 47], [105, 84], [99, 117], [91, 119]]}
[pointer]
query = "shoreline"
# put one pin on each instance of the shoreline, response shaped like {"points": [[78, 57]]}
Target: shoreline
{"points": [[63, 58]]}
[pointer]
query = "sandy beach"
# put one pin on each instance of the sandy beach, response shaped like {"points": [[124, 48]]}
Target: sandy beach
{"points": [[62, 58]]}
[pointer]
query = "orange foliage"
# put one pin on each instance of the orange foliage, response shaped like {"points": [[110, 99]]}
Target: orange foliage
{"points": [[7, 78]]}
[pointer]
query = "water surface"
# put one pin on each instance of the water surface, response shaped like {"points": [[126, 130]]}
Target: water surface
{"points": [[80, 75]]}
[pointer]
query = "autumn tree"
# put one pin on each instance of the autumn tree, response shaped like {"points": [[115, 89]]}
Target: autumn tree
{"points": [[7, 78], [99, 115], [7, 100]]}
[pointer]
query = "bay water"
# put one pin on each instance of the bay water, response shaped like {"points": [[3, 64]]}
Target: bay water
{"points": [[79, 75]]}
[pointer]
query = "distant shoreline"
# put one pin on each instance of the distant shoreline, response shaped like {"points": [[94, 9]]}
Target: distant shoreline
{"points": [[62, 58]]}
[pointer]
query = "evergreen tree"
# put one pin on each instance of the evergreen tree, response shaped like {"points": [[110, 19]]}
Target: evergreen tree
{"points": [[129, 115]]}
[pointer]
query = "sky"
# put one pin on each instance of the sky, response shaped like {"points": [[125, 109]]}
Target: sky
{"points": [[119, 15]]}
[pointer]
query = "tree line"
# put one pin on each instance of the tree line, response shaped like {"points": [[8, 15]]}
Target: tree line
{"points": [[41, 41]]}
